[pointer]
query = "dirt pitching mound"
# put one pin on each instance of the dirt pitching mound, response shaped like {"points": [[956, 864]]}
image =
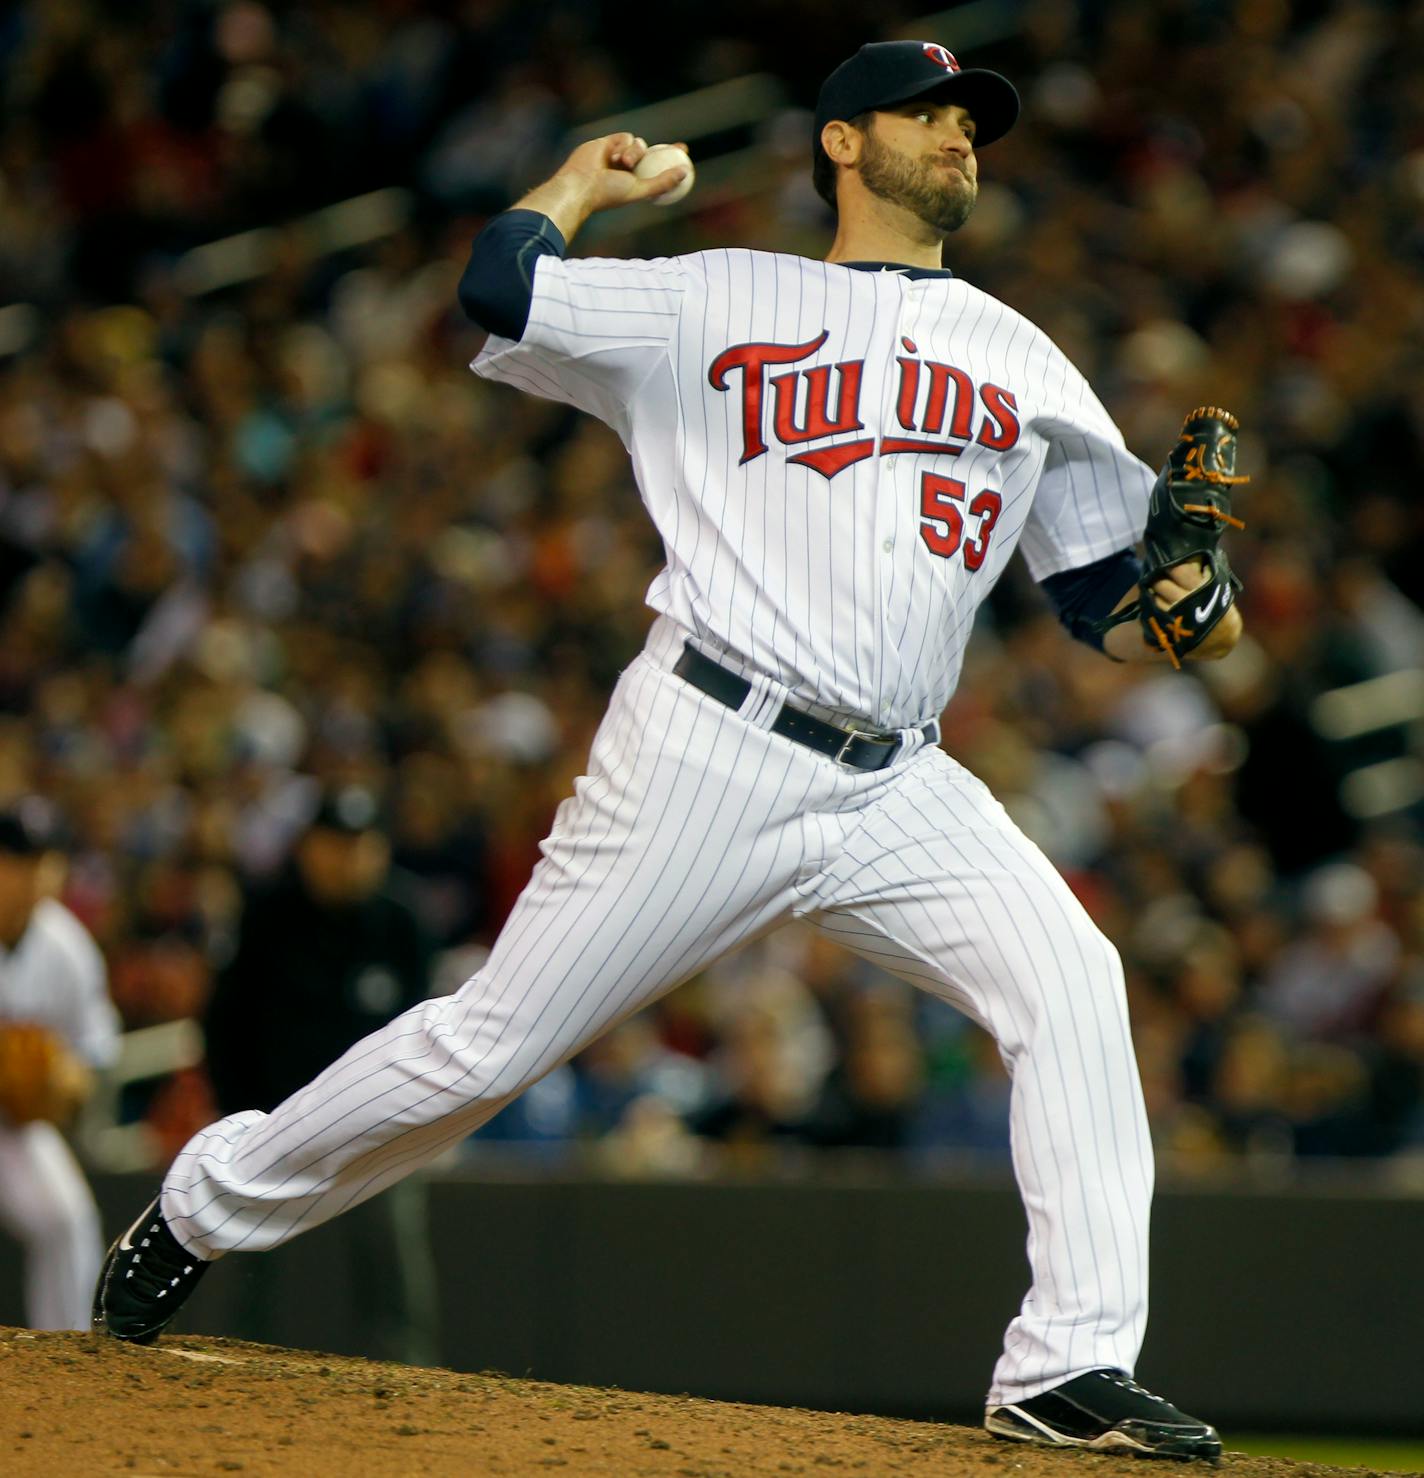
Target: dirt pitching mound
{"points": [[77, 1404]]}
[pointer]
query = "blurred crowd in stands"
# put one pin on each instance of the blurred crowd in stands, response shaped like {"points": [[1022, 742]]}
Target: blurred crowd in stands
{"points": [[272, 537]]}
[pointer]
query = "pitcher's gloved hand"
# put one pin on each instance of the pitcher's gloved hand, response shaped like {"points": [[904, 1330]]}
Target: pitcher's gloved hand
{"points": [[1188, 512]]}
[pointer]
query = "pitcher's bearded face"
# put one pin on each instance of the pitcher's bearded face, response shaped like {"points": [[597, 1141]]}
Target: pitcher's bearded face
{"points": [[906, 162]]}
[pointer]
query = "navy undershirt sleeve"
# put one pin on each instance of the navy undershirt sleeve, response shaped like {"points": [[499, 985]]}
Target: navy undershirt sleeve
{"points": [[1084, 596], [497, 287]]}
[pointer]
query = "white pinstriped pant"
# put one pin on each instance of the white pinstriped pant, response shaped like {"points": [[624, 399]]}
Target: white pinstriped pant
{"points": [[694, 830]]}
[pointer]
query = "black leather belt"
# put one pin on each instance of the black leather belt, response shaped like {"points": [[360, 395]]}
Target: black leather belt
{"points": [[853, 747]]}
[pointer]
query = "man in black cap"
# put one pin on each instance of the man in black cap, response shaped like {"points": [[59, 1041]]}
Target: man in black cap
{"points": [[898, 125], [840, 457], [331, 951]]}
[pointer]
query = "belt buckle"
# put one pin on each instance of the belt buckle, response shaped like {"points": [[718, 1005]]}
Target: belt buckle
{"points": [[851, 735]]}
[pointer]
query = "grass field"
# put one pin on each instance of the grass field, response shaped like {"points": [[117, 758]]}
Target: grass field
{"points": [[1380, 1454]]}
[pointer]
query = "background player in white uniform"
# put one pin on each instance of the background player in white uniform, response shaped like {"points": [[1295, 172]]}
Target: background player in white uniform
{"points": [[51, 976], [841, 457]]}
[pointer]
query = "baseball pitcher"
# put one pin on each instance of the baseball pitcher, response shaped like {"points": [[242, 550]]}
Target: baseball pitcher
{"points": [[841, 457]]}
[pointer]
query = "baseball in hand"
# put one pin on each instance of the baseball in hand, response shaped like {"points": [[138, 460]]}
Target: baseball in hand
{"points": [[666, 156]]}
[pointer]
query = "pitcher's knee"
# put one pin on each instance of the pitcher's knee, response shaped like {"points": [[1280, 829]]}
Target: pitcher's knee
{"points": [[1086, 982], [1094, 957], [479, 1053]]}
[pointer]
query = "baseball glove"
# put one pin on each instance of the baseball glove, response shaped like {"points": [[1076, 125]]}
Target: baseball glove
{"points": [[35, 1075], [1188, 512]]}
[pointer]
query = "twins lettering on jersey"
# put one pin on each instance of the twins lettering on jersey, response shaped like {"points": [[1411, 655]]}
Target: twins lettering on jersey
{"points": [[928, 392]]}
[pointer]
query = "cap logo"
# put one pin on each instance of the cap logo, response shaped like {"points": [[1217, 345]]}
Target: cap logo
{"points": [[940, 56]]}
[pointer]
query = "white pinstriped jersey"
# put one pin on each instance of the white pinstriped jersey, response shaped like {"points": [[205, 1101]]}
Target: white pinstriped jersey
{"points": [[840, 461]]}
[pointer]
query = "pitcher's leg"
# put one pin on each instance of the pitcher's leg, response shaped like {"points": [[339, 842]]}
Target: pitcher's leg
{"points": [[631, 898], [940, 887]]}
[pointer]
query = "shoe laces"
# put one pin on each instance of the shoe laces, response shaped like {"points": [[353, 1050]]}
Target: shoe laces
{"points": [[1128, 1384], [158, 1263]]}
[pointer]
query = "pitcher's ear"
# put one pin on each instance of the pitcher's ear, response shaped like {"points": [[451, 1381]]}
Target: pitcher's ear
{"points": [[842, 142]]}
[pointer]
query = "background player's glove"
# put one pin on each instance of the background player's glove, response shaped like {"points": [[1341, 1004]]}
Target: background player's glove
{"points": [[37, 1074], [1189, 510]]}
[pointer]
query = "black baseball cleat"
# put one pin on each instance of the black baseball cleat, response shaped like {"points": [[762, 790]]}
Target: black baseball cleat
{"points": [[144, 1280], [1105, 1410]]}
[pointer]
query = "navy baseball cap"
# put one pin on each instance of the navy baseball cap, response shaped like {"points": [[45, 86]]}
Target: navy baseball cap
{"points": [[883, 73]]}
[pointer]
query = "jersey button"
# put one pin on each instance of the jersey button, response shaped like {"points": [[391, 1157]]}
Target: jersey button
{"points": [[888, 546]]}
